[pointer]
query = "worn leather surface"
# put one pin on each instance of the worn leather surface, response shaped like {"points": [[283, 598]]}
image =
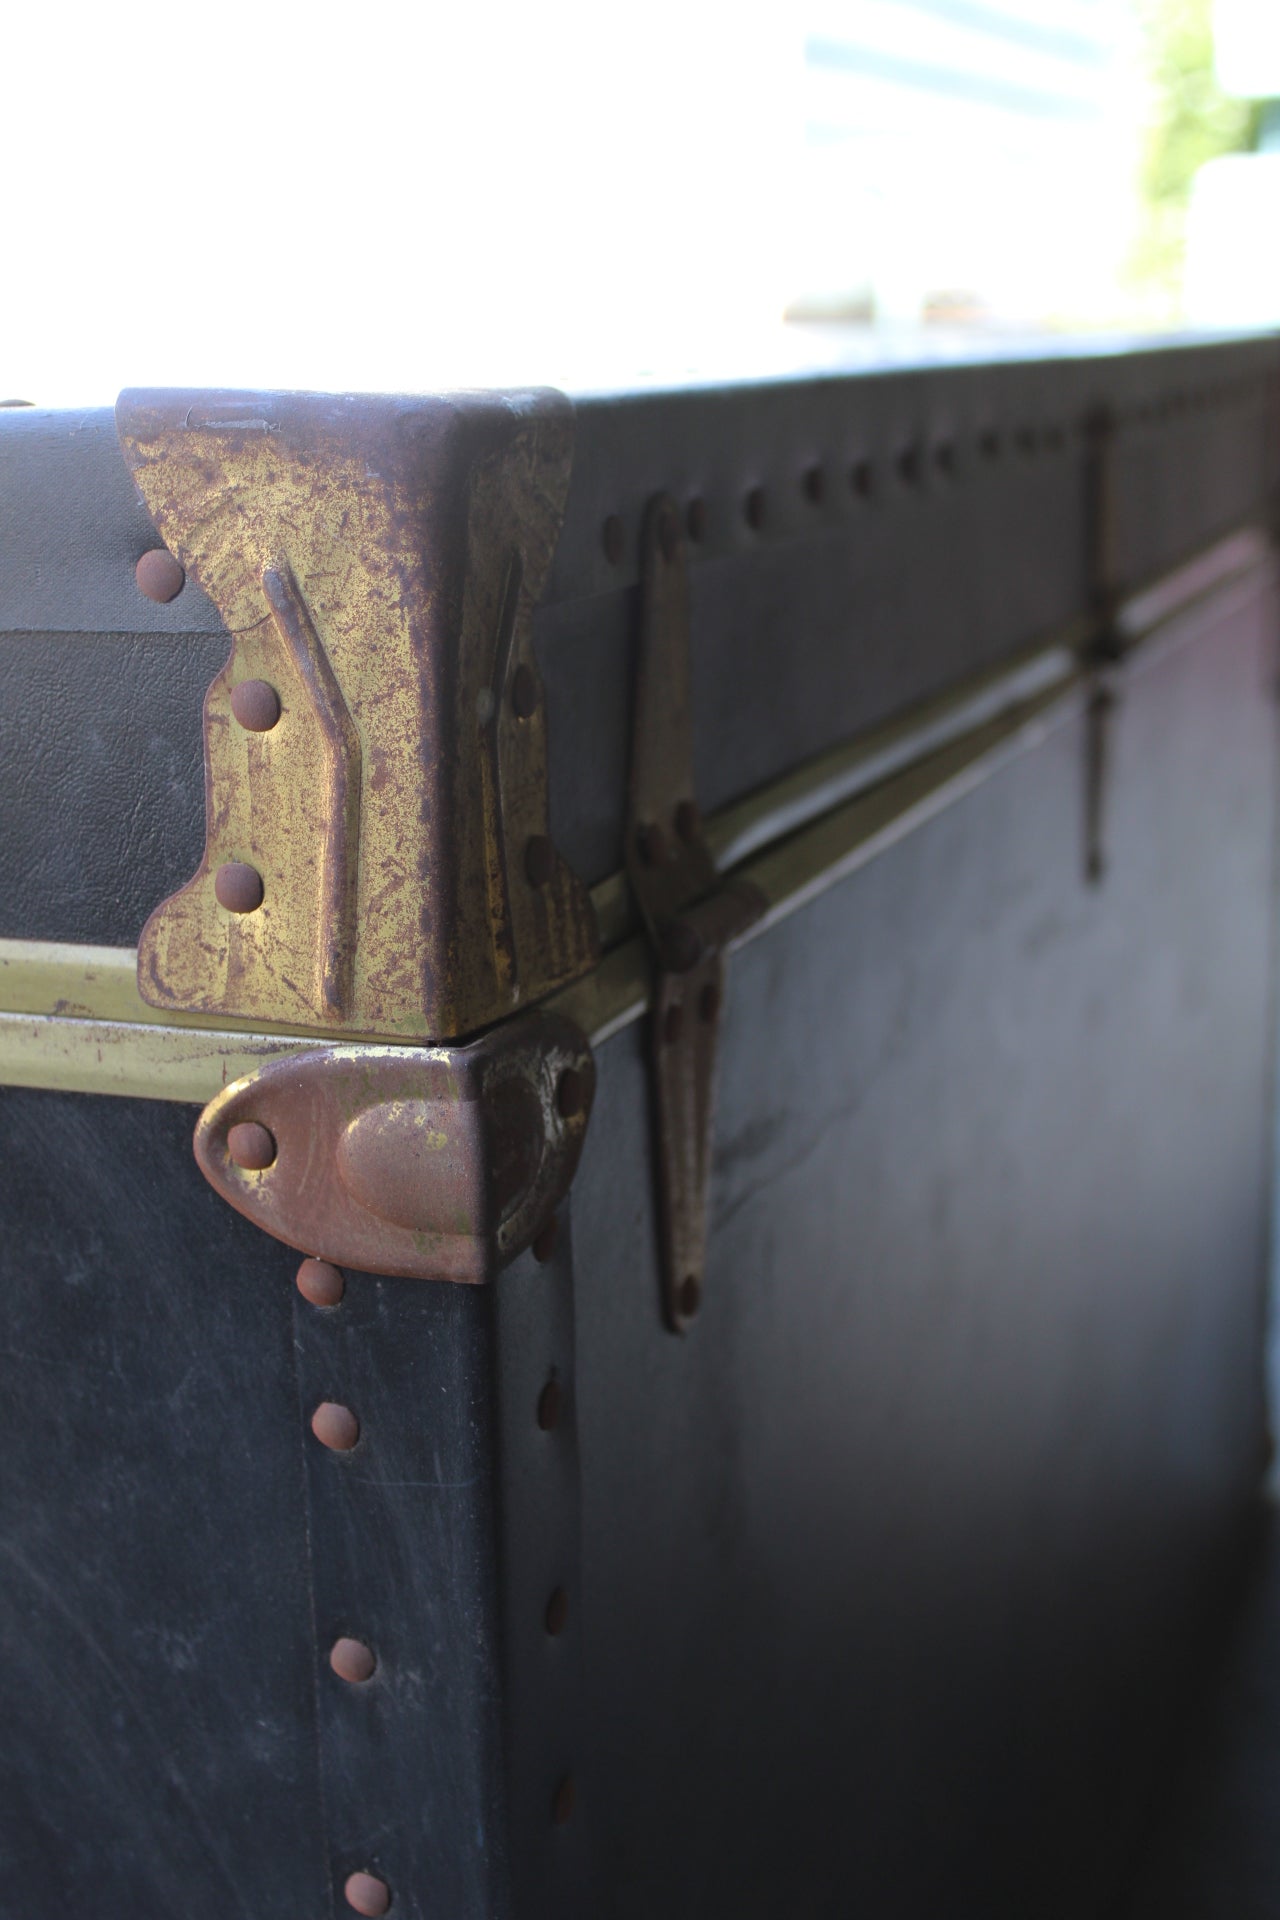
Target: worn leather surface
{"points": [[896, 1567]]}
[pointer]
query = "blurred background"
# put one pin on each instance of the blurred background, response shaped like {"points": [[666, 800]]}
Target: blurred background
{"points": [[417, 196]]}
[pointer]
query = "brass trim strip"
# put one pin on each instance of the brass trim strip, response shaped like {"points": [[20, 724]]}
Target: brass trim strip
{"points": [[123, 1057]]}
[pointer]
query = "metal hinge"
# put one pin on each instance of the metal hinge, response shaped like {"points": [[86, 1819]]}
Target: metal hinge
{"points": [[690, 915], [378, 858], [438, 1163]]}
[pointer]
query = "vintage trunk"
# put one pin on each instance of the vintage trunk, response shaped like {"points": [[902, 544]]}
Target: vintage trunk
{"points": [[717, 950]]}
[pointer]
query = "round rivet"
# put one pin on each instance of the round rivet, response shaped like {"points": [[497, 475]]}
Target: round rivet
{"points": [[250, 1145], [709, 1002], [652, 844], [688, 825], [696, 519], [544, 1244], [571, 1094], [256, 705], [557, 1614], [668, 536], [321, 1283], [550, 1403], [689, 1297], [613, 540], [159, 576], [524, 693], [352, 1661], [562, 1803], [754, 508], [237, 887], [909, 465], [815, 485], [860, 478], [367, 1894], [673, 1024], [335, 1427], [539, 860]]}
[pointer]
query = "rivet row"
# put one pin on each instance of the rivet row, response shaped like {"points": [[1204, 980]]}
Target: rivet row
{"points": [[351, 1660], [915, 460]]}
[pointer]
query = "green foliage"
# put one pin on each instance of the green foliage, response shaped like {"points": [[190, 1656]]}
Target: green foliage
{"points": [[1192, 121]]}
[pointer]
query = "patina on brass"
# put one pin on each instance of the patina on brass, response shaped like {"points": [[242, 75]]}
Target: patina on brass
{"points": [[376, 562]]}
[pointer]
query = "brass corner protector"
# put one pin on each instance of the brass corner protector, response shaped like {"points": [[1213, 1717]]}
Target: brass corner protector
{"points": [[378, 858]]}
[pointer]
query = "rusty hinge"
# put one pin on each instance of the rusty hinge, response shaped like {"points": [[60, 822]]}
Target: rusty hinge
{"points": [[1106, 648], [437, 1163], [378, 857], [690, 915]]}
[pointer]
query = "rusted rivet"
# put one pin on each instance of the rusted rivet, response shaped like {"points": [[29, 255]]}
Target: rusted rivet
{"points": [[815, 485], [367, 1894], [668, 535], [681, 947], [689, 1297], [571, 1094], [544, 1244], [524, 693], [256, 705], [688, 824], [709, 1002], [321, 1283], [159, 575], [237, 887], [557, 1614], [335, 1427], [613, 540], [250, 1145], [539, 860], [753, 507], [673, 1023], [550, 1402], [352, 1661], [562, 1802], [695, 519]]}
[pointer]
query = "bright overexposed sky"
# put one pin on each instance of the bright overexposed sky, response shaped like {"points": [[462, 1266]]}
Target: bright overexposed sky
{"points": [[265, 193], [387, 195]]}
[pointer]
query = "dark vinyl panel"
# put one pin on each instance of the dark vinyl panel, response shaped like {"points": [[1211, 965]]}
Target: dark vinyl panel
{"points": [[179, 1553], [895, 1567], [836, 613], [72, 529], [102, 751], [403, 1559], [157, 1691]]}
